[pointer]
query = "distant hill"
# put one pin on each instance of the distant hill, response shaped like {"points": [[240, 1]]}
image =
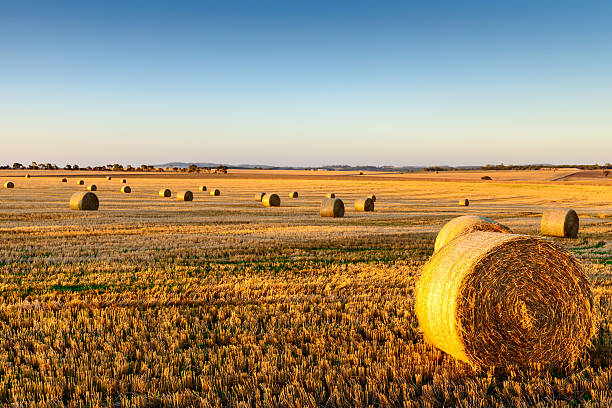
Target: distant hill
{"points": [[336, 167]]}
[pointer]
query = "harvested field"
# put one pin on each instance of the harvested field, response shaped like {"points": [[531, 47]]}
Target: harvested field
{"points": [[222, 302]]}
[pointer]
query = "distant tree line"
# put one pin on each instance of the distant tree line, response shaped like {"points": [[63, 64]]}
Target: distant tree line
{"points": [[115, 167], [502, 166]]}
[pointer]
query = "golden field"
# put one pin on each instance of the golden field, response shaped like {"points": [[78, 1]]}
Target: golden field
{"points": [[222, 302]]}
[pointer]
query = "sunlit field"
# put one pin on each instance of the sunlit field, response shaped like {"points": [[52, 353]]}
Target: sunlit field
{"points": [[221, 302]]}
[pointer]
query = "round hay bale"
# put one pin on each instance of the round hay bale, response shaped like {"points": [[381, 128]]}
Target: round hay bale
{"points": [[9, 184], [486, 178], [215, 192], [64, 180], [92, 187], [165, 192], [330, 195], [364, 204], [126, 189], [271, 200], [81, 182], [184, 195], [202, 188], [464, 225], [27, 176], [464, 202], [332, 207], [372, 197], [109, 178], [123, 180], [499, 300], [560, 222], [258, 197], [84, 200], [293, 194]]}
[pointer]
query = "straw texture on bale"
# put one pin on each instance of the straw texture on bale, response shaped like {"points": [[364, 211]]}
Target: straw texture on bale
{"points": [[330, 195], [501, 300], [64, 180], [293, 194], [332, 207], [271, 200], [464, 202], [84, 200], [373, 197], [560, 222], [466, 224], [165, 192], [80, 182], [202, 188], [364, 204], [258, 197], [215, 192], [92, 187], [126, 189], [9, 184], [184, 195]]}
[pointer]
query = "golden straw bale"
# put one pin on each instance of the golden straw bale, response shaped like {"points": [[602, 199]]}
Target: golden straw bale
{"points": [[466, 224], [109, 178], [184, 195], [373, 197], [202, 188], [271, 200], [215, 192], [464, 202], [9, 184], [123, 180], [81, 182], [560, 222], [27, 176], [165, 192], [258, 197], [364, 204], [330, 195], [293, 194], [332, 207], [500, 300], [126, 189], [92, 187], [84, 200], [64, 180]]}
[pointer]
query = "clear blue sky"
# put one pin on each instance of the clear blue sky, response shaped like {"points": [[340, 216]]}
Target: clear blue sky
{"points": [[319, 82]]}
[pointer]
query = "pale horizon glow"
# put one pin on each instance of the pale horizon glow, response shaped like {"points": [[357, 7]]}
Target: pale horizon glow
{"points": [[311, 84]]}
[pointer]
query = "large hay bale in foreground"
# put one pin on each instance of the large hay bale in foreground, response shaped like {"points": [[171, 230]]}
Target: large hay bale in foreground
{"points": [[271, 200], [184, 195], [258, 197], [330, 195], [364, 204], [464, 202], [165, 192], [499, 300], [126, 189], [465, 224], [215, 192], [9, 184], [293, 194], [84, 200], [92, 187], [332, 207], [202, 188], [81, 182], [560, 222]]}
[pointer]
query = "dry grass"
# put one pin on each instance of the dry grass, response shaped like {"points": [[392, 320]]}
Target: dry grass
{"points": [[150, 302]]}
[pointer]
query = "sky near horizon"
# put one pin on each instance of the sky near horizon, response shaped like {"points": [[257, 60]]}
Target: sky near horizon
{"points": [[306, 83]]}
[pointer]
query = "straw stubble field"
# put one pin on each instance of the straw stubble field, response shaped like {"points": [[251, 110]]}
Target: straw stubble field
{"points": [[223, 302]]}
